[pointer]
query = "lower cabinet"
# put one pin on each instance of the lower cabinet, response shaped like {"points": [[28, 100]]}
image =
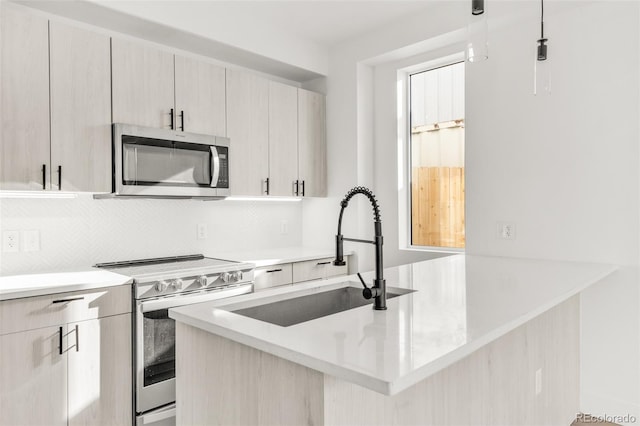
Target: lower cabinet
{"points": [[70, 373], [293, 273]]}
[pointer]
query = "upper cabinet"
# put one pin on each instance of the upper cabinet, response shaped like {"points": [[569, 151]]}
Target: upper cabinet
{"points": [[24, 94], [154, 88], [283, 139], [312, 145], [80, 109], [200, 97], [142, 85], [248, 131]]}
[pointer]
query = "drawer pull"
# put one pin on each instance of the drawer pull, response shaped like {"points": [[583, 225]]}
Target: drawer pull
{"points": [[323, 263], [68, 300], [77, 339], [60, 341], [274, 270]]}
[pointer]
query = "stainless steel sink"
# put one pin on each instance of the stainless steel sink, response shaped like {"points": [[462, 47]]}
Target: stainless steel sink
{"points": [[312, 306]]}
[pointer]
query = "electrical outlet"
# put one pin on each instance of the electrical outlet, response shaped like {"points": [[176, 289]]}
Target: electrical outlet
{"points": [[284, 227], [506, 230], [201, 231], [31, 240], [538, 381], [11, 241]]}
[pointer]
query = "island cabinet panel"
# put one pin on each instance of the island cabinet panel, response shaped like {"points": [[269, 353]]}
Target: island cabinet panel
{"points": [[24, 97], [233, 384], [80, 109], [200, 97], [248, 129], [142, 85], [495, 385]]}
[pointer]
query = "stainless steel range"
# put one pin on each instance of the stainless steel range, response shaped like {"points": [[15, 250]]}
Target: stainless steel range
{"points": [[161, 284]]}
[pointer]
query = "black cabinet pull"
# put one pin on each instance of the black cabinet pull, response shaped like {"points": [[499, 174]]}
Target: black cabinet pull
{"points": [[44, 176], [323, 263], [60, 341], [173, 127], [77, 339], [266, 181], [296, 186], [67, 300], [274, 270], [182, 120], [59, 178], [303, 188]]}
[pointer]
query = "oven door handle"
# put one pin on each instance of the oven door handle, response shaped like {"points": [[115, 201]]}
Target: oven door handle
{"points": [[151, 418], [175, 301]]}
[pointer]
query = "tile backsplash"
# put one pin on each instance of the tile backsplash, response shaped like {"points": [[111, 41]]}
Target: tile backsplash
{"points": [[77, 233]]}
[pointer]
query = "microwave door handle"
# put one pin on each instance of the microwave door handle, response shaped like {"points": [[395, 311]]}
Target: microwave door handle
{"points": [[215, 167]]}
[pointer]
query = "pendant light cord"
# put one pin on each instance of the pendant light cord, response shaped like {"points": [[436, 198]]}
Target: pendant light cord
{"points": [[542, 19]]}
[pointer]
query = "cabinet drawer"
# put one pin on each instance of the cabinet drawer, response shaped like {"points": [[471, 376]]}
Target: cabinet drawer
{"points": [[271, 276], [54, 309], [317, 269]]}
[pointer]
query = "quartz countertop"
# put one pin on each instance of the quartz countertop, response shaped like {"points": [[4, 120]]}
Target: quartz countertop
{"points": [[18, 286], [276, 256], [462, 303]]}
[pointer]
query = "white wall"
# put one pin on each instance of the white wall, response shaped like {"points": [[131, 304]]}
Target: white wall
{"points": [[564, 168], [77, 233]]}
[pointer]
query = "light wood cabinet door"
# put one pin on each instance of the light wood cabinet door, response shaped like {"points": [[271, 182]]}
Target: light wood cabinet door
{"points": [[312, 145], [80, 109], [142, 84], [248, 130], [283, 138], [100, 371], [33, 378], [200, 97], [24, 97]]}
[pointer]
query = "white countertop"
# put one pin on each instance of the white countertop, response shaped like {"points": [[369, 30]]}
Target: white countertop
{"points": [[461, 304], [17, 286], [267, 257]]}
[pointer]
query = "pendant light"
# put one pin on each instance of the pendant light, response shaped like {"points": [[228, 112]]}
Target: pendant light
{"points": [[477, 33], [541, 69]]}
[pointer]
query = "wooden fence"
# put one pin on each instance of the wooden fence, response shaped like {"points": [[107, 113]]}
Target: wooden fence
{"points": [[437, 206]]}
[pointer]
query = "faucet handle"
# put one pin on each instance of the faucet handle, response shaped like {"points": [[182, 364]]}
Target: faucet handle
{"points": [[366, 292]]}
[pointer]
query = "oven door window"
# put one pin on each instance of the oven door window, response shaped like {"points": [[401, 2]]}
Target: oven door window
{"points": [[159, 333], [168, 163]]}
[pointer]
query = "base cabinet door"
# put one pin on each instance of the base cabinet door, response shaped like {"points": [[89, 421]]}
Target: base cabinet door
{"points": [[33, 378], [99, 354]]}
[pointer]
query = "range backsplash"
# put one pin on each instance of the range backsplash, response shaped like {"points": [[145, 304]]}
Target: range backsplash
{"points": [[77, 233]]}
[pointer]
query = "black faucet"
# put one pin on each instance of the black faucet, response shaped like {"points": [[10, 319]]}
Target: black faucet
{"points": [[379, 289]]}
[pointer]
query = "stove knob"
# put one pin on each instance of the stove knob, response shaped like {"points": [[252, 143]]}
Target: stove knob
{"points": [[161, 286], [226, 277], [237, 276], [176, 284], [201, 281]]}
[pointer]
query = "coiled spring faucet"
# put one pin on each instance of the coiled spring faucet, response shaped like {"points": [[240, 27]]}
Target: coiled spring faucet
{"points": [[379, 289]]}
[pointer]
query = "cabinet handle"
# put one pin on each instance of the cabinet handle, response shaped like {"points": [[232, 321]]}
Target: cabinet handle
{"points": [[44, 176], [60, 340], [323, 263], [303, 188], [172, 126], [274, 270], [266, 181], [296, 187], [182, 120], [59, 178], [67, 300], [77, 339]]}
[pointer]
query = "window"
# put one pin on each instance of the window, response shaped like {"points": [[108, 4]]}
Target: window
{"points": [[436, 149]]}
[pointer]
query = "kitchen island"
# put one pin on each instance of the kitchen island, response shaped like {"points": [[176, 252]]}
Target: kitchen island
{"points": [[482, 340]]}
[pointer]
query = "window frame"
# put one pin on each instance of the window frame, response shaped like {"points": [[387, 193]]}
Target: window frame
{"points": [[404, 151]]}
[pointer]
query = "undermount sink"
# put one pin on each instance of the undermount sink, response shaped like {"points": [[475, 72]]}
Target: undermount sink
{"points": [[312, 306]]}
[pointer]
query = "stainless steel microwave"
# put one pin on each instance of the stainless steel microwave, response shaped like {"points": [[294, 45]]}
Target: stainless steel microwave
{"points": [[168, 163]]}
